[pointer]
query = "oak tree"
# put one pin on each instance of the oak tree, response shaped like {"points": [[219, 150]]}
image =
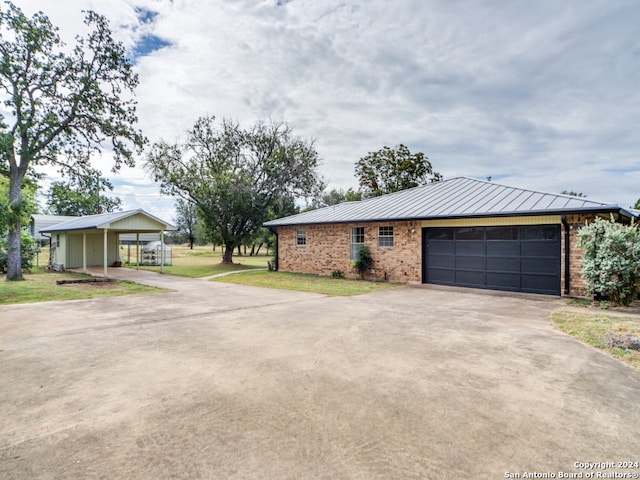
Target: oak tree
{"points": [[81, 196], [61, 105], [236, 176], [391, 170], [186, 220]]}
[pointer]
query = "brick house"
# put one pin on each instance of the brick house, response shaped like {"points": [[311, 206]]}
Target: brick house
{"points": [[462, 232]]}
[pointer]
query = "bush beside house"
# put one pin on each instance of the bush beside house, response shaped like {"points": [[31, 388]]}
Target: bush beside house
{"points": [[611, 260]]}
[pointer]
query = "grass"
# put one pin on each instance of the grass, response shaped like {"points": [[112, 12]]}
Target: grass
{"points": [[40, 286], [202, 262], [306, 283], [593, 329]]}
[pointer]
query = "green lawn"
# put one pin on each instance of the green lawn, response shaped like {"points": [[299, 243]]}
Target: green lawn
{"points": [[198, 271], [203, 262], [305, 283], [40, 286], [200, 262], [594, 329]]}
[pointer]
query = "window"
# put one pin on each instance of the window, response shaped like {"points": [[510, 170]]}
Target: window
{"points": [[357, 239], [440, 234], [57, 240], [470, 233], [301, 238], [502, 233], [385, 236], [541, 232]]}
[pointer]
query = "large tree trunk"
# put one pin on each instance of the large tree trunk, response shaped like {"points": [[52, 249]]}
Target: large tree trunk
{"points": [[14, 262], [227, 257]]}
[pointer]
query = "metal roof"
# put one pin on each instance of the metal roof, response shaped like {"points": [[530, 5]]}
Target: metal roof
{"points": [[102, 220], [458, 197], [40, 223]]}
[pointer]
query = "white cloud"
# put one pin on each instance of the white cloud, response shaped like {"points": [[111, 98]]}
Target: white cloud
{"points": [[535, 94]]}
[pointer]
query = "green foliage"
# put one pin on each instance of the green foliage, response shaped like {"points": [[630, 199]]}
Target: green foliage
{"points": [[28, 248], [12, 215], [236, 177], [186, 220], [363, 260], [61, 104], [81, 196], [389, 170], [337, 274], [573, 193], [636, 206], [611, 260], [353, 195], [336, 196]]}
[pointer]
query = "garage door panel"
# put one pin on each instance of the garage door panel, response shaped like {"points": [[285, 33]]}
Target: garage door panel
{"points": [[502, 233], [469, 263], [443, 261], [470, 278], [468, 248], [508, 281], [539, 265], [440, 275], [537, 283], [540, 249], [541, 232], [503, 249], [517, 258], [497, 264], [437, 247]]}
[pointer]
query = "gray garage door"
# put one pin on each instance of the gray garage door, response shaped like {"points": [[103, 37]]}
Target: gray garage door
{"points": [[519, 259]]}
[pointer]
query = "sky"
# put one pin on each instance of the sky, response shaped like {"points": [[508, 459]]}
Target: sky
{"points": [[541, 95]]}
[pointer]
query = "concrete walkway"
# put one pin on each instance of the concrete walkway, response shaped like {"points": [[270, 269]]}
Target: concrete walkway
{"points": [[146, 277], [224, 274], [221, 381]]}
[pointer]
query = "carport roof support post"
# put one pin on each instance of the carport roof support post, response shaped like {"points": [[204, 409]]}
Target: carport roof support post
{"points": [[84, 253], [104, 250], [161, 251]]}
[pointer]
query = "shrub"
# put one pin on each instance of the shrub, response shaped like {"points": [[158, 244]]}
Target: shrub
{"points": [[27, 251], [363, 260], [337, 274], [611, 260]]}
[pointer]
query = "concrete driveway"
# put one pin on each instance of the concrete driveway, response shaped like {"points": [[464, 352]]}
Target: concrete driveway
{"points": [[217, 381]]}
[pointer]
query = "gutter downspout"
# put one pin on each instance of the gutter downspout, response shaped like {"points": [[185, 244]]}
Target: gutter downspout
{"points": [[567, 254]]}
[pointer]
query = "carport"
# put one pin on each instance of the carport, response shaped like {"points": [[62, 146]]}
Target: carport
{"points": [[94, 240]]}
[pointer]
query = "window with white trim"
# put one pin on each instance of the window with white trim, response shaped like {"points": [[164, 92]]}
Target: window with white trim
{"points": [[385, 236], [301, 237], [357, 240]]}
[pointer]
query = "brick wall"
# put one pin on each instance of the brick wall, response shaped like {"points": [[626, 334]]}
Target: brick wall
{"points": [[576, 282], [328, 248]]}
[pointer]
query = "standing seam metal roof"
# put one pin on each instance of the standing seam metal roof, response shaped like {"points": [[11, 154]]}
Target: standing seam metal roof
{"points": [[102, 220], [454, 198]]}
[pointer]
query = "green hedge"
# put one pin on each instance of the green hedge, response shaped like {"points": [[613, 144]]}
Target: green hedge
{"points": [[611, 260]]}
